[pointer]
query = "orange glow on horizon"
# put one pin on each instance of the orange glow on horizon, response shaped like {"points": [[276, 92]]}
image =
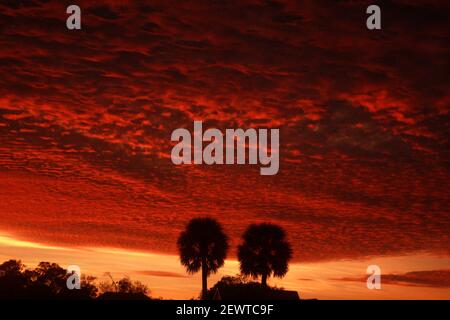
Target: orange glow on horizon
{"points": [[166, 278]]}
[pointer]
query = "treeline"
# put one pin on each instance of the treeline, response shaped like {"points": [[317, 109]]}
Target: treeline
{"points": [[49, 281]]}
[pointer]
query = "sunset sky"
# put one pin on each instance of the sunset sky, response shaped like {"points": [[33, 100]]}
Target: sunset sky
{"points": [[86, 118]]}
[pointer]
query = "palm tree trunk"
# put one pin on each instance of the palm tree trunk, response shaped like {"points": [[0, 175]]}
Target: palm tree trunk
{"points": [[204, 278], [264, 280]]}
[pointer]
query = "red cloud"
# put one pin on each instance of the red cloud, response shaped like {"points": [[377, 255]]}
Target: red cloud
{"points": [[86, 117]]}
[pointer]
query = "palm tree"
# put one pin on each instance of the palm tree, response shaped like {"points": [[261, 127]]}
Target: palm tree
{"points": [[204, 245], [265, 251]]}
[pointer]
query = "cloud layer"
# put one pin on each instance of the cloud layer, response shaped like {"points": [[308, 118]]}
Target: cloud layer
{"points": [[86, 118]]}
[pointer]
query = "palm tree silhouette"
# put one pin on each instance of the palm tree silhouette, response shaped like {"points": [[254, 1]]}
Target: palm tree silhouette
{"points": [[204, 245], [265, 251]]}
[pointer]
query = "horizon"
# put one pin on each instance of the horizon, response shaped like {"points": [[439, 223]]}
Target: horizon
{"points": [[335, 280]]}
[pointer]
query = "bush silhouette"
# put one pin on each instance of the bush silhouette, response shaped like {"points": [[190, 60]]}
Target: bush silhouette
{"points": [[124, 285], [239, 288]]}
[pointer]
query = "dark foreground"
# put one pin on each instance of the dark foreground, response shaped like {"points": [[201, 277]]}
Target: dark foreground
{"points": [[190, 309]]}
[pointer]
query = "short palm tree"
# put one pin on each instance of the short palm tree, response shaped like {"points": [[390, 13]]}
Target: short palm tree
{"points": [[203, 244], [264, 251]]}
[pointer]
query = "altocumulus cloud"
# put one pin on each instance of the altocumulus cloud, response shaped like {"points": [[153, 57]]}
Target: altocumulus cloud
{"points": [[86, 117]]}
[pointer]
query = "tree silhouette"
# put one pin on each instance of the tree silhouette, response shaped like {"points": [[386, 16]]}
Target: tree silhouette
{"points": [[46, 281], [12, 267], [12, 280], [204, 245], [265, 251], [52, 276], [49, 281]]}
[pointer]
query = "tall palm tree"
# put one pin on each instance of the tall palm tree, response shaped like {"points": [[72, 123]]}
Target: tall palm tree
{"points": [[264, 251], [203, 244]]}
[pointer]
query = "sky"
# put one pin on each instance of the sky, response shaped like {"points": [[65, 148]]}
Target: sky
{"points": [[86, 118]]}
